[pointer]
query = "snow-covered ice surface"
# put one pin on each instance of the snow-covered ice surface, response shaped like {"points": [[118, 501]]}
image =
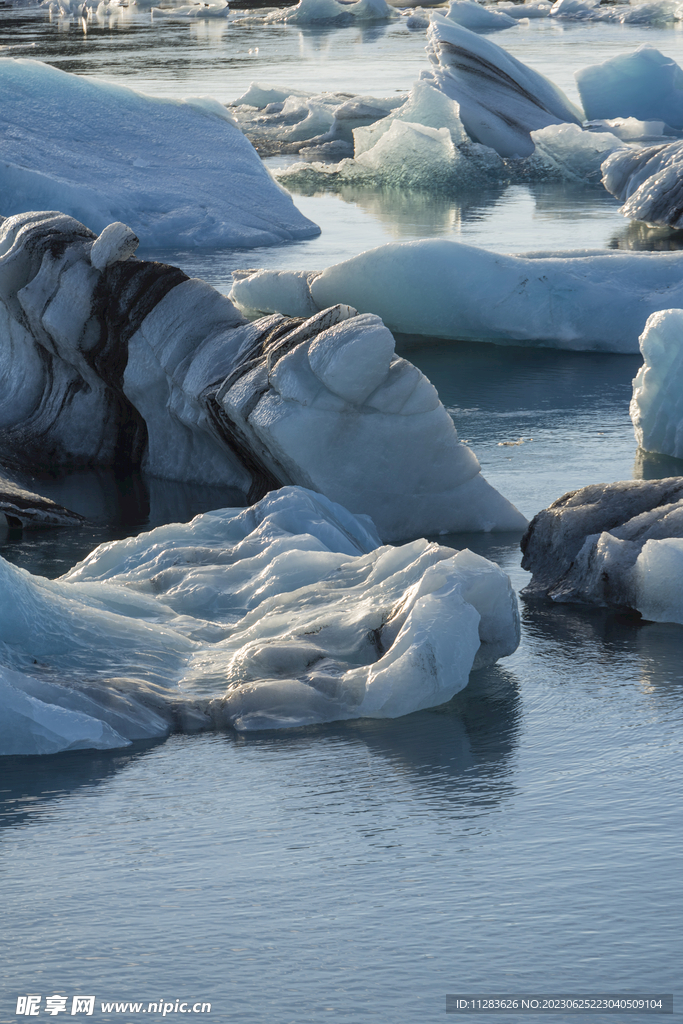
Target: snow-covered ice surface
{"points": [[644, 84], [613, 545], [181, 172], [591, 300], [648, 182], [284, 614], [131, 365], [657, 403]]}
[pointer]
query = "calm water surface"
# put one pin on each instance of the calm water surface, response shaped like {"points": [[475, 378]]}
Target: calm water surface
{"points": [[525, 837]]}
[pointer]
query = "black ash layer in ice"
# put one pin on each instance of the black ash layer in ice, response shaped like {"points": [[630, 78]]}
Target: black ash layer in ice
{"points": [[114, 361], [612, 545]]}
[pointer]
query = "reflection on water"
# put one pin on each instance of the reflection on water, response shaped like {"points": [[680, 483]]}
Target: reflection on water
{"points": [[114, 507], [30, 784], [640, 237], [445, 753], [653, 466]]}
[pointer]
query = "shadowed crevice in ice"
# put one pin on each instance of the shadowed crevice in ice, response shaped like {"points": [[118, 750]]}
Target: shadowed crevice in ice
{"points": [[613, 545], [596, 300], [134, 366], [284, 614], [181, 173]]}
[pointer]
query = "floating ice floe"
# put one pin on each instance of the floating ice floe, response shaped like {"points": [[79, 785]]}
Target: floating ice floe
{"points": [[649, 182], [657, 403], [218, 9], [613, 545], [284, 121], [478, 18], [181, 172], [630, 129], [501, 100], [583, 299], [422, 144], [654, 13], [326, 12], [131, 364], [530, 9], [20, 508], [284, 614], [644, 84]]}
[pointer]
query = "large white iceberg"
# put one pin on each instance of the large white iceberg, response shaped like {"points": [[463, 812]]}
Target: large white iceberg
{"points": [[644, 84], [657, 403], [583, 300], [284, 614], [180, 173], [130, 364], [649, 182], [501, 100], [613, 545]]}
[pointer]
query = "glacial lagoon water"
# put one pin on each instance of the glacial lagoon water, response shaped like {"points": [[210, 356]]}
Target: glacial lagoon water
{"points": [[523, 838]]}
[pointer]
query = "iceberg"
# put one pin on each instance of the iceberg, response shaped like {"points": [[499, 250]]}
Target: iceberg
{"points": [[501, 100], [649, 181], [219, 9], [284, 614], [595, 300], [644, 84], [118, 362], [478, 18], [529, 9], [338, 13], [657, 403], [211, 190], [20, 508], [283, 121], [423, 145], [613, 545]]}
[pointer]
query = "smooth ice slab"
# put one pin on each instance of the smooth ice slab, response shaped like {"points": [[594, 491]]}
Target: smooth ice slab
{"points": [[501, 100], [284, 614], [644, 84], [583, 300], [134, 366], [613, 545], [649, 182], [657, 403], [181, 172]]}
